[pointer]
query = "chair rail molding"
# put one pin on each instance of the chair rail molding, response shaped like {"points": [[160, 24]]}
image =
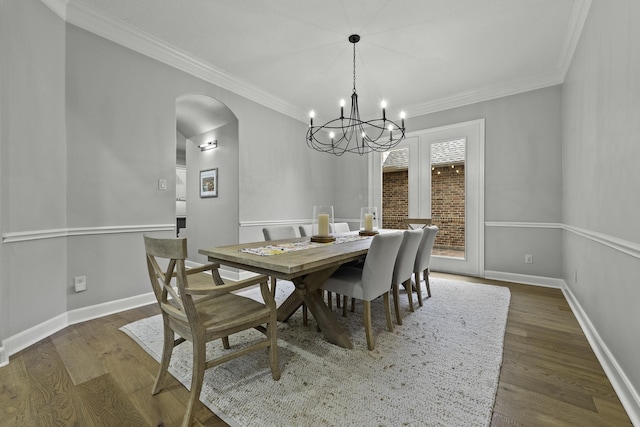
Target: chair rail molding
{"points": [[621, 245], [22, 236]]}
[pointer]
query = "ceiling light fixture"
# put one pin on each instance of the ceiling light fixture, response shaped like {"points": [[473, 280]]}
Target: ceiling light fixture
{"points": [[371, 135], [208, 145]]}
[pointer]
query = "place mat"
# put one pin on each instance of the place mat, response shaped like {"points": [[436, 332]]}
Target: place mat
{"points": [[281, 248]]}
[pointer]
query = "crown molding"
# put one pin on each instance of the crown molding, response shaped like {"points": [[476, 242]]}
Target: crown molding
{"points": [[59, 7], [572, 37], [139, 41], [486, 94]]}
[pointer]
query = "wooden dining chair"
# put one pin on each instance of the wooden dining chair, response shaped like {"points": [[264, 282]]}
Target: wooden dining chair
{"points": [[277, 233], [371, 281], [423, 258], [203, 313], [403, 269]]}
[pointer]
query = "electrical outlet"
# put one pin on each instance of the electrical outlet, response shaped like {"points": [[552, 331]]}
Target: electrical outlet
{"points": [[528, 259], [80, 283]]}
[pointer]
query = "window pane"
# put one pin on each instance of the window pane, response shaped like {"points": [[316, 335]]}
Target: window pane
{"points": [[395, 188], [448, 197]]}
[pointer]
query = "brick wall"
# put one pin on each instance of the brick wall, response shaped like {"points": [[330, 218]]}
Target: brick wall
{"points": [[447, 203], [447, 206], [395, 199]]}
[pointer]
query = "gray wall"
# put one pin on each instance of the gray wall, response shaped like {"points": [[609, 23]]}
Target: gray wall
{"points": [[117, 108], [213, 219], [33, 156], [601, 178], [523, 195]]}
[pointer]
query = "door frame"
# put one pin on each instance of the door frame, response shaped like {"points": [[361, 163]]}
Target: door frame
{"points": [[418, 142]]}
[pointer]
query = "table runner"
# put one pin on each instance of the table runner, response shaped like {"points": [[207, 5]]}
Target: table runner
{"points": [[281, 248]]}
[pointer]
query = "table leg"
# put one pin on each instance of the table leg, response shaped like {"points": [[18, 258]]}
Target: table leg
{"points": [[327, 323], [307, 291]]}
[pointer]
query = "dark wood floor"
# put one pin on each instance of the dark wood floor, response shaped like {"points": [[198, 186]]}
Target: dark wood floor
{"points": [[91, 374]]}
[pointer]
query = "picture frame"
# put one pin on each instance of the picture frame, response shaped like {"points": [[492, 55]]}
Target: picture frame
{"points": [[209, 183]]}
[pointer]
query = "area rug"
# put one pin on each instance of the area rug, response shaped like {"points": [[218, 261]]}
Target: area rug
{"points": [[440, 368]]}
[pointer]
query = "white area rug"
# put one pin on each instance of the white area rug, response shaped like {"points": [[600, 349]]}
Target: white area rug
{"points": [[440, 368]]}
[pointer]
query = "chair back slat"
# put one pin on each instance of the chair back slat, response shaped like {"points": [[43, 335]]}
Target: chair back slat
{"points": [[176, 304]]}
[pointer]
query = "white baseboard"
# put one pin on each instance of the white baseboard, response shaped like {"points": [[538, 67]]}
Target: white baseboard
{"points": [[99, 310], [4, 358], [628, 395], [34, 334], [548, 282]]}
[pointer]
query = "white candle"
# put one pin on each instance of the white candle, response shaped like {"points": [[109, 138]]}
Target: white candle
{"points": [[323, 225], [368, 222]]}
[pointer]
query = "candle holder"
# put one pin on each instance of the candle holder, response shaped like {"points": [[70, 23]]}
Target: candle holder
{"points": [[322, 224], [368, 221]]}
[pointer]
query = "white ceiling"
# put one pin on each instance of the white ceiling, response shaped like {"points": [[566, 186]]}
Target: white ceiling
{"points": [[294, 56]]}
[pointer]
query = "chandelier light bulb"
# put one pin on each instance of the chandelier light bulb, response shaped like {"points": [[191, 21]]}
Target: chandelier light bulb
{"points": [[342, 102]]}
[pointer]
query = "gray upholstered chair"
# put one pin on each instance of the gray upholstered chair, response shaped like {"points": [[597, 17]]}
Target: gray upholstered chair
{"points": [[403, 269], [202, 313], [340, 227], [280, 232], [305, 230], [370, 281], [423, 258]]}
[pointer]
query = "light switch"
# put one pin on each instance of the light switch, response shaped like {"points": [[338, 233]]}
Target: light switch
{"points": [[162, 184]]}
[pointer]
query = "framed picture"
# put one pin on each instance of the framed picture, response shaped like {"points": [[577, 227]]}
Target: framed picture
{"points": [[209, 183]]}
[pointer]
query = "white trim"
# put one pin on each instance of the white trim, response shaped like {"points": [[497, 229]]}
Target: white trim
{"points": [[4, 358], [21, 236], [574, 30], [277, 222], [628, 395], [59, 7], [117, 31], [523, 224], [139, 41], [624, 246], [104, 309], [34, 334], [486, 94], [547, 282]]}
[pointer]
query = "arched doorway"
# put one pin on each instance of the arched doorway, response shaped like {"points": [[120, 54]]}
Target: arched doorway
{"points": [[205, 220]]}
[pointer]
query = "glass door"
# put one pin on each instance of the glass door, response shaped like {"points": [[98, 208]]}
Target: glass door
{"points": [[439, 174]]}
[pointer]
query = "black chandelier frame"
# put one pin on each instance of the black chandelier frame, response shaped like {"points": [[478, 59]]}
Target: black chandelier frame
{"points": [[352, 134]]}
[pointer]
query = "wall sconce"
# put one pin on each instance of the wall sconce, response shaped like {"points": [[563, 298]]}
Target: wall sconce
{"points": [[208, 145]]}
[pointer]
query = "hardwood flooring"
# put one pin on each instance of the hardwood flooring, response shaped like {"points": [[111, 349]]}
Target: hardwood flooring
{"points": [[92, 374]]}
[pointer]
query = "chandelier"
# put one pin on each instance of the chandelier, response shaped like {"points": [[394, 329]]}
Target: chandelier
{"points": [[351, 134]]}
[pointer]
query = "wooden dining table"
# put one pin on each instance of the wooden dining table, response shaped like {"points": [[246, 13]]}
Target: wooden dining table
{"points": [[308, 269]]}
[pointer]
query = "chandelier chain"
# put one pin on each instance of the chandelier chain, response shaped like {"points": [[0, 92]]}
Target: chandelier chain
{"points": [[354, 68]]}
